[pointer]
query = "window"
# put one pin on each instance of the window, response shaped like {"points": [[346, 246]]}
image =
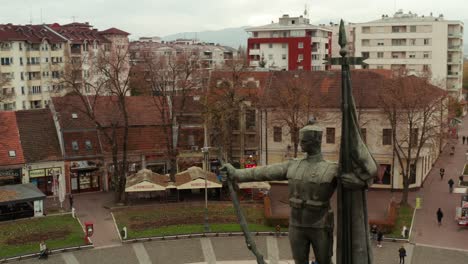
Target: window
{"points": [[380, 67], [412, 176], [365, 29], [20, 46], [88, 145], [425, 67], [330, 135], [300, 67], [414, 137], [379, 54], [270, 45], [12, 153], [277, 134], [387, 136], [250, 119], [270, 56], [75, 145], [412, 28], [5, 61], [412, 42], [365, 42], [300, 57], [283, 45], [426, 41], [300, 45], [283, 56], [412, 55], [22, 90], [365, 55], [380, 43], [426, 55], [364, 134]]}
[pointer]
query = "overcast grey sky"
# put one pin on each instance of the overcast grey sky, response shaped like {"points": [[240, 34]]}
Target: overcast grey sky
{"points": [[163, 17]]}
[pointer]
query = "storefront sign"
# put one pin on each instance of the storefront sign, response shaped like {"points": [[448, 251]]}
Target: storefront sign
{"points": [[15, 173], [198, 184], [37, 173], [45, 172], [85, 164], [145, 187]]}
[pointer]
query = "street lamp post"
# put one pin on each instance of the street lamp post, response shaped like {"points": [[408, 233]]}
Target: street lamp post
{"points": [[205, 151]]}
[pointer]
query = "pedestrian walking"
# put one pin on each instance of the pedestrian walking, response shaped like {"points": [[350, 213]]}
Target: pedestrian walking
{"points": [[450, 183], [442, 172], [440, 215], [278, 230], [373, 232], [402, 254], [379, 239], [460, 178], [453, 150], [44, 252], [70, 199], [463, 138]]}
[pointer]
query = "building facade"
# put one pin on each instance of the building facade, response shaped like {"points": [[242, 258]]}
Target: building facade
{"points": [[414, 44], [291, 44], [33, 59], [275, 137]]}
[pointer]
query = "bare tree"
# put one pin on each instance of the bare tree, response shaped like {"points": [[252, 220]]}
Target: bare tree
{"points": [[225, 96], [290, 96], [414, 109], [170, 80], [5, 94], [100, 76]]}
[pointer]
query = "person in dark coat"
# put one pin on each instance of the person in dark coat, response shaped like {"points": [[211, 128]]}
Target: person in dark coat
{"points": [[463, 138], [379, 238], [451, 183], [442, 172], [402, 254], [440, 215], [70, 199]]}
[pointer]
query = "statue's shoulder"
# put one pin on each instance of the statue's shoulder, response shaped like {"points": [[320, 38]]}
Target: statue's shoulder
{"points": [[332, 167]]}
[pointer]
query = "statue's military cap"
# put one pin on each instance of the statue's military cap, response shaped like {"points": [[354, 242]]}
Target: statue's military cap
{"points": [[311, 129]]}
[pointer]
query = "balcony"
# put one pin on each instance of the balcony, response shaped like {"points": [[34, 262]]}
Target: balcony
{"points": [[455, 35], [454, 48], [452, 74], [454, 61], [254, 52]]}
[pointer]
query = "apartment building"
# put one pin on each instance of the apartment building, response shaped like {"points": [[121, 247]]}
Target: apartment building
{"points": [[212, 56], [33, 59], [291, 44], [414, 44]]}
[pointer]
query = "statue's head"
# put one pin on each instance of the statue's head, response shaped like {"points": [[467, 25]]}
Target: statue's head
{"points": [[310, 138]]}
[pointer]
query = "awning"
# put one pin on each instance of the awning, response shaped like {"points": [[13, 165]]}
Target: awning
{"points": [[199, 184], [19, 193], [255, 185], [194, 178], [146, 181]]}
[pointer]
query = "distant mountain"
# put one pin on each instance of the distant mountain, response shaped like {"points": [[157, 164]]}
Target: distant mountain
{"points": [[233, 37]]}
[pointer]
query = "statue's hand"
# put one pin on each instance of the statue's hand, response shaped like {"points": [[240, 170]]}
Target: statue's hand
{"points": [[229, 170], [351, 181]]}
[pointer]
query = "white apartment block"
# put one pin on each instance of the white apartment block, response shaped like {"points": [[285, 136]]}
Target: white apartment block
{"points": [[212, 56], [421, 45], [291, 44], [33, 59]]}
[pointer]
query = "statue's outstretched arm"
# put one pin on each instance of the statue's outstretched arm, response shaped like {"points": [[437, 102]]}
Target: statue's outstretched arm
{"points": [[275, 172]]}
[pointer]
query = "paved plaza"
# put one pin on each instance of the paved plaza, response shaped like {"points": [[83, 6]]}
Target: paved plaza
{"points": [[429, 243]]}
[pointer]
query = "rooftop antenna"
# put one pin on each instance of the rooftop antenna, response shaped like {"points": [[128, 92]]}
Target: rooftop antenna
{"points": [[306, 11]]}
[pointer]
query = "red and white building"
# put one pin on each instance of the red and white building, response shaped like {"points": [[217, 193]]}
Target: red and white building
{"points": [[291, 44]]}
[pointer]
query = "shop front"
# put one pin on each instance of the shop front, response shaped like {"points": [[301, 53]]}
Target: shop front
{"points": [[10, 176], [85, 176], [46, 179]]}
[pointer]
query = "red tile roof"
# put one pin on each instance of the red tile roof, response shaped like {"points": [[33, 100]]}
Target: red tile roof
{"points": [[368, 86], [10, 140], [141, 110], [38, 135], [114, 31], [28, 33]]}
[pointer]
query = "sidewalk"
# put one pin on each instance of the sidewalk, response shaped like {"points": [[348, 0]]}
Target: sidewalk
{"points": [[435, 194], [91, 207]]}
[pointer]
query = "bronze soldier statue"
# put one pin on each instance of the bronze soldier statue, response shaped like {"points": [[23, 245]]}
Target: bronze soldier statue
{"points": [[312, 182]]}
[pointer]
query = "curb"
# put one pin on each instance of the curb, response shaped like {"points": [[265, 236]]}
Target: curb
{"points": [[52, 251], [200, 235]]}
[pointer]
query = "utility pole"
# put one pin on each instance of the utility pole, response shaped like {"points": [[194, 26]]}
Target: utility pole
{"points": [[206, 167]]}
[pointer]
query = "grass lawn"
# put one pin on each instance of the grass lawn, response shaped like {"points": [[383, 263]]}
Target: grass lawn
{"points": [[23, 236], [405, 216], [186, 219]]}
